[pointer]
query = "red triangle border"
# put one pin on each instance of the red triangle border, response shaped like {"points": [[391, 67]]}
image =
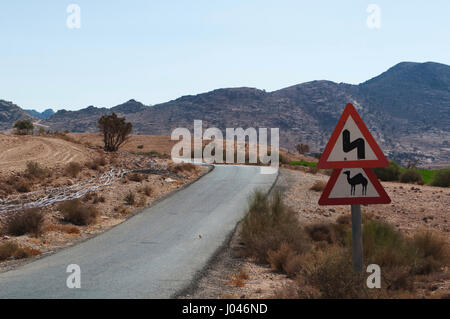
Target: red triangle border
{"points": [[351, 111], [325, 200]]}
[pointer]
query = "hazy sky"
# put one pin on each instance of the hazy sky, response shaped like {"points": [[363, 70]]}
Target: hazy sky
{"points": [[155, 51]]}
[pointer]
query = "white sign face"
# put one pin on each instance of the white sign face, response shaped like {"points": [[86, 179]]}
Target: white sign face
{"points": [[353, 182], [351, 140]]}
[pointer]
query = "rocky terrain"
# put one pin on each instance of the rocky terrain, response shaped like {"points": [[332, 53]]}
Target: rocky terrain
{"points": [[10, 113], [407, 109]]}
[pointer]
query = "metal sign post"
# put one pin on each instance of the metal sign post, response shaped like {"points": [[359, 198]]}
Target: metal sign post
{"points": [[357, 243]]}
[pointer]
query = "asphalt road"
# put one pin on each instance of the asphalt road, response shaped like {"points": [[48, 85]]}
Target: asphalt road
{"points": [[155, 254]]}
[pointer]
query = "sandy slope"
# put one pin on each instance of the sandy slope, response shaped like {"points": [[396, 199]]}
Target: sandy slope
{"points": [[15, 151]]}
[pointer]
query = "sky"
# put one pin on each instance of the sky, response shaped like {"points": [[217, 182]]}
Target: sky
{"points": [[155, 51]]}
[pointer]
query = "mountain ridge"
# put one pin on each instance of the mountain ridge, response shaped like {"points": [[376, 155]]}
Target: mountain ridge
{"points": [[407, 109]]}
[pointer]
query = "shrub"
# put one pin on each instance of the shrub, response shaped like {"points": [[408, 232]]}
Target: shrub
{"points": [[321, 232], [135, 177], [35, 170], [442, 178], [147, 190], [21, 185], [29, 221], [432, 246], [76, 213], [24, 127], [73, 169], [285, 260], [98, 199], [96, 163], [13, 250], [268, 224], [332, 273], [389, 173], [411, 176], [385, 246], [115, 131], [129, 198]]}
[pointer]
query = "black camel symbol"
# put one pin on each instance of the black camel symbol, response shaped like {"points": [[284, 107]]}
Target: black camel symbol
{"points": [[359, 144], [355, 180]]}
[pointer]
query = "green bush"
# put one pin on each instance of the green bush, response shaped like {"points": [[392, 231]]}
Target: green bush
{"points": [[442, 178], [389, 173], [411, 176]]}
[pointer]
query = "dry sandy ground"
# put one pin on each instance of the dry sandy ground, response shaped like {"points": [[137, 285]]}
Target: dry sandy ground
{"points": [[55, 153], [15, 151], [413, 208], [159, 143]]}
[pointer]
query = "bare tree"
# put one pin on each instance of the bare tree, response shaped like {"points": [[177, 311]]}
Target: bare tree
{"points": [[115, 131]]}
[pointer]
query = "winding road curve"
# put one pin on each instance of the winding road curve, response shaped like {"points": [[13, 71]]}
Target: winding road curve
{"points": [[155, 254]]}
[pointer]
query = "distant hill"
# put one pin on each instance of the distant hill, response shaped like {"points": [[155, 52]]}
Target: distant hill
{"points": [[407, 109], [10, 114], [41, 115]]}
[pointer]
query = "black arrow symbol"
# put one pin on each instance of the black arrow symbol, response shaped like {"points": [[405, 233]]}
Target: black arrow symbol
{"points": [[359, 143]]}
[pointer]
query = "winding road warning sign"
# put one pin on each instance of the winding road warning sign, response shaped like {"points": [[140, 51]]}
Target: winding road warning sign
{"points": [[352, 186], [351, 144]]}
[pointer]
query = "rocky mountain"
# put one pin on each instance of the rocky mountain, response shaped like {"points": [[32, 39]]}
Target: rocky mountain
{"points": [[10, 114], [41, 115], [407, 109]]}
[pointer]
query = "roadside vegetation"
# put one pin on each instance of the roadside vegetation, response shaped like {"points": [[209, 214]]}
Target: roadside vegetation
{"points": [[318, 256], [394, 172]]}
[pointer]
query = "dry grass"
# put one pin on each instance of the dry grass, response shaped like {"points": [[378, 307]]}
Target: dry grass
{"points": [[321, 261], [147, 190], [29, 221], [182, 167], [130, 198], [34, 170], [268, 225], [77, 213], [135, 177], [73, 169], [238, 279], [12, 250], [318, 186], [62, 228], [96, 163]]}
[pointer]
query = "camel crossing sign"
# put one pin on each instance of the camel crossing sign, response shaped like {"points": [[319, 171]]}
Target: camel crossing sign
{"points": [[353, 186], [351, 152]]}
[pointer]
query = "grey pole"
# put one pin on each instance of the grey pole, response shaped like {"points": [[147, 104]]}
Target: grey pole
{"points": [[357, 238]]}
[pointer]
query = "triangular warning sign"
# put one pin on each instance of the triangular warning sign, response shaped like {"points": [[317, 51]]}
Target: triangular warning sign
{"points": [[353, 186], [351, 144]]}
